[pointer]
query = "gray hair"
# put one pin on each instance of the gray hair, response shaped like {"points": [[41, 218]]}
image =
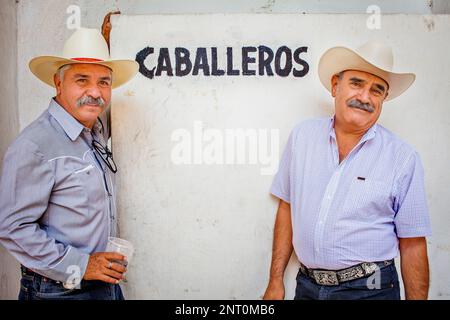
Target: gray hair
{"points": [[62, 70], [340, 74]]}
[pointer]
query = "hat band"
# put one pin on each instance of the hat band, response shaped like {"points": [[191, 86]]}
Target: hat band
{"points": [[87, 59]]}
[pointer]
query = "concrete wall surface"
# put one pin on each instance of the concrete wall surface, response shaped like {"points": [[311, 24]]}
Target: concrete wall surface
{"points": [[9, 124], [30, 28]]}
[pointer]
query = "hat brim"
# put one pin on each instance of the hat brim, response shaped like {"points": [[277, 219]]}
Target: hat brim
{"points": [[338, 59], [45, 67]]}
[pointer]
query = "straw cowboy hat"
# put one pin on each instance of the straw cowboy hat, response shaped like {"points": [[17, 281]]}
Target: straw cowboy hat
{"points": [[373, 57], [84, 46]]}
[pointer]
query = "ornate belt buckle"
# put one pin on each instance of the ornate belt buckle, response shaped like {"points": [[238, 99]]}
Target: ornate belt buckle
{"points": [[326, 278], [369, 267]]}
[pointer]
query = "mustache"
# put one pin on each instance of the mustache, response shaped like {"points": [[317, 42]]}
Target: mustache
{"points": [[355, 103], [90, 100]]}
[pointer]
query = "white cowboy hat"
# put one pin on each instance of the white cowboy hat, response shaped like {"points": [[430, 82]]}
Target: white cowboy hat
{"points": [[373, 57], [84, 46]]}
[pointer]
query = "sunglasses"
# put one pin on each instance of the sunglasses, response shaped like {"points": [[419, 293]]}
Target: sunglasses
{"points": [[105, 154]]}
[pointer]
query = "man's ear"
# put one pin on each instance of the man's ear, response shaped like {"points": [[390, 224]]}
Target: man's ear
{"points": [[334, 84], [57, 82]]}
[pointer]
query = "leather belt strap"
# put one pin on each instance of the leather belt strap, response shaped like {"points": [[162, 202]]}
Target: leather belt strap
{"points": [[335, 277], [28, 272]]}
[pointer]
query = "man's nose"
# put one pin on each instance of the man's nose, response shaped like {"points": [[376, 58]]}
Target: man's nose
{"points": [[364, 95], [94, 92]]}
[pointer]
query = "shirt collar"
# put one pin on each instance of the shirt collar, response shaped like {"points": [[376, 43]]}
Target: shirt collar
{"points": [[370, 134], [69, 124]]}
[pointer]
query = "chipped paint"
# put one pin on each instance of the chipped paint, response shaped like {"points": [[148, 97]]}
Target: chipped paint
{"points": [[443, 247], [269, 5], [429, 22]]}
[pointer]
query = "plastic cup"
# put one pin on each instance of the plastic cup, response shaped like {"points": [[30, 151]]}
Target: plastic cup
{"points": [[121, 246]]}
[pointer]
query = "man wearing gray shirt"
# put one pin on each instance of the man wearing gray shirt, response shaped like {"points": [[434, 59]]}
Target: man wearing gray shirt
{"points": [[57, 197]]}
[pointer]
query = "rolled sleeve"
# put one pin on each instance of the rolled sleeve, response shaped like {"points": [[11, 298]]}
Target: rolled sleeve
{"points": [[280, 187], [25, 189], [412, 217]]}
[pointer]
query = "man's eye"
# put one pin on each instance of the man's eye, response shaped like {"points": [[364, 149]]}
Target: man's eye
{"points": [[356, 84], [105, 83], [376, 92], [81, 80]]}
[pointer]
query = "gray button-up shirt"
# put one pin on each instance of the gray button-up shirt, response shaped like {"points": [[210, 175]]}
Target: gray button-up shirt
{"points": [[57, 201]]}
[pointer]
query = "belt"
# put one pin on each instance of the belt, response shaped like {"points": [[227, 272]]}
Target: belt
{"points": [[31, 273], [335, 277]]}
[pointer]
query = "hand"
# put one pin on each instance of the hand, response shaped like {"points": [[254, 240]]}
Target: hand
{"points": [[275, 290], [106, 26], [97, 268]]}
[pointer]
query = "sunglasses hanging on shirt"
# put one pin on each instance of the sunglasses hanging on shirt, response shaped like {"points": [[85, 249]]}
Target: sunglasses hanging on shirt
{"points": [[103, 151], [105, 154]]}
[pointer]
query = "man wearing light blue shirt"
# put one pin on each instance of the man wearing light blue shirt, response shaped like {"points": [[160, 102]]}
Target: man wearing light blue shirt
{"points": [[351, 194], [57, 197]]}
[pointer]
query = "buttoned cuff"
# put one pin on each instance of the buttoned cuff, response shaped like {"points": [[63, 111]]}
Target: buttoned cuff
{"points": [[70, 270]]}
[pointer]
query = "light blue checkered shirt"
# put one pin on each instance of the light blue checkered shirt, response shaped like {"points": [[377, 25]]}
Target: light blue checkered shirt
{"points": [[352, 212]]}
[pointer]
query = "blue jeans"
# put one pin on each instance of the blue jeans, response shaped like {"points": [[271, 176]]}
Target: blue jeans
{"points": [[35, 287], [386, 288]]}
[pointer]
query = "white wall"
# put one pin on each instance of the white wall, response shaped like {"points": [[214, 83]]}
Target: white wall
{"points": [[205, 230], [9, 125], [40, 29], [43, 24]]}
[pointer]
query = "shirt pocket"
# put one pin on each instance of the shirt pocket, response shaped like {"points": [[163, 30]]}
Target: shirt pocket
{"points": [[367, 199], [79, 186], [87, 169], [91, 180]]}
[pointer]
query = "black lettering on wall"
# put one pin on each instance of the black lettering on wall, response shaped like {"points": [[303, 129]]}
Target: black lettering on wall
{"points": [[140, 59], [182, 58], [269, 62], [264, 63], [300, 61], [283, 72], [214, 70], [230, 70], [246, 60], [164, 63], [201, 62]]}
